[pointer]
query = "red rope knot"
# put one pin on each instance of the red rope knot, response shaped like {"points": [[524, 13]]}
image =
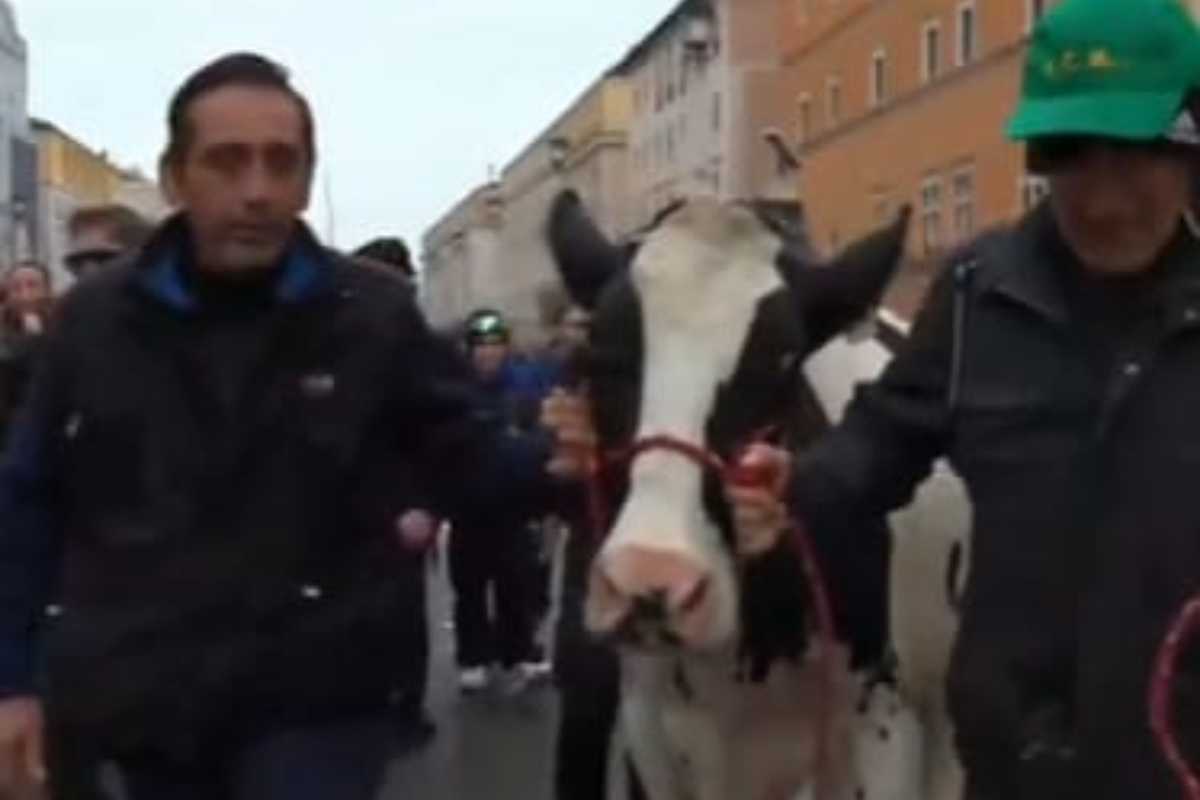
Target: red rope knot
{"points": [[740, 473]]}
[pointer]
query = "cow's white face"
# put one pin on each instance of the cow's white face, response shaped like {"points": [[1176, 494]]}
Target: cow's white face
{"points": [[700, 279], [698, 336]]}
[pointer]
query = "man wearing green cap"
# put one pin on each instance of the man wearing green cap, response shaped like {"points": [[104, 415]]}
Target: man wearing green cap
{"points": [[1057, 366]]}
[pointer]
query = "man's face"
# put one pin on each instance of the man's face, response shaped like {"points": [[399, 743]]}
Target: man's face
{"points": [[1119, 206], [91, 247], [489, 359], [244, 178], [26, 291]]}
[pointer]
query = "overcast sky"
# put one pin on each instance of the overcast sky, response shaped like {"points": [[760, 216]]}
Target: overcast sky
{"points": [[414, 98]]}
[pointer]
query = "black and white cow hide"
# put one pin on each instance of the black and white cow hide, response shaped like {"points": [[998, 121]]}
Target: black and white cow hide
{"points": [[927, 577], [699, 333]]}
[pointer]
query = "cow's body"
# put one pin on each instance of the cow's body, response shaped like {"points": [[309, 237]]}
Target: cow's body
{"points": [[928, 570], [710, 301]]}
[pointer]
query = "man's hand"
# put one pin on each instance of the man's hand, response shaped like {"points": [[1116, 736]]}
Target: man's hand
{"points": [[22, 726], [569, 417], [760, 515], [417, 530]]}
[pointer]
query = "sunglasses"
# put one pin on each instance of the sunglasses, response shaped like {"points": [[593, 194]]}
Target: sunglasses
{"points": [[83, 260]]}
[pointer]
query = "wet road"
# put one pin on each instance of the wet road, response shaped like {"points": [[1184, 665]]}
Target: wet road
{"points": [[488, 747]]}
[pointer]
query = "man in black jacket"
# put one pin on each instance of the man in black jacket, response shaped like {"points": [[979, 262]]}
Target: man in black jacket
{"points": [[1055, 365], [201, 505]]}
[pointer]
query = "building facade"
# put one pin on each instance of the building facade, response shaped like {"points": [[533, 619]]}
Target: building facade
{"points": [[585, 149], [490, 249], [906, 101], [18, 161], [707, 85], [459, 257]]}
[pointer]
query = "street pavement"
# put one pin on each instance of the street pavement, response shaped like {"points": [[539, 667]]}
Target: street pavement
{"points": [[488, 747]]}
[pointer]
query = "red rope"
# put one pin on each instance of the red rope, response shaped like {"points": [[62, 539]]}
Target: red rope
{"points": [[740, 474], [1161, 685]]}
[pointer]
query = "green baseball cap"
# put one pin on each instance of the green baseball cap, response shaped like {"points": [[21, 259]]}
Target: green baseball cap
{"points": [[1117, 69]]}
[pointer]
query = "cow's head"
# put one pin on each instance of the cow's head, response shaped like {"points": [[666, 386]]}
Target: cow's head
{"points": [[699, 330]]}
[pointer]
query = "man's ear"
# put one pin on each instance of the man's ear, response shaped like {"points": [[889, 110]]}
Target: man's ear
{"points": [[168, 179]]}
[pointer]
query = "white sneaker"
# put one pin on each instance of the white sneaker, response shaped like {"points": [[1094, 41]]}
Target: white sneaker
{"points": [[473, 679], [537, 671]]}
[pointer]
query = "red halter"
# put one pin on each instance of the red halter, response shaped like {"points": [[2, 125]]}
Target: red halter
{"points": [[737, 473], [1184, 627]]}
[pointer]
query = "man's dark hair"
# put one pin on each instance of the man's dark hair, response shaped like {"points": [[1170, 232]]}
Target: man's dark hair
{"points": [[236, 69], [389, 250], [129, 228]]}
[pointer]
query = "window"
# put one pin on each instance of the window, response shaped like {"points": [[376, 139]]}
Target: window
{"points": [[963, 192], [833, 101], [931, 51], [1034, 189], [804, 130], [931, 215], [967, 33], [878, 79], [683, 71]]}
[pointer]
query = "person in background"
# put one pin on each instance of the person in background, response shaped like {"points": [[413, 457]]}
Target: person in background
{"points": [[28, 302], [414, 726], [586, 672], [389, 252], [489, 553], [99, 235]]}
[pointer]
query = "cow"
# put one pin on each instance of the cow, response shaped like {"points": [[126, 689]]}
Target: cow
{"points": [[700, 331]]}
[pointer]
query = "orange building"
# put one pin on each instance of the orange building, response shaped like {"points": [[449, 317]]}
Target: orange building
{"points": [[905, 101]]}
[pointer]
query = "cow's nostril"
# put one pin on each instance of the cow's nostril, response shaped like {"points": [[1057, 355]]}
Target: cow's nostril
{"points": [[693, 597], [650, 607]]}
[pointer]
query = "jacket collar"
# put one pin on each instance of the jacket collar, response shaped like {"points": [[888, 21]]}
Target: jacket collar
{"points": [[159, 268], [1030, 261]]}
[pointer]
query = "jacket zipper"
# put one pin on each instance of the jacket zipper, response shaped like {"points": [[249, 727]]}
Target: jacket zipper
{"points": [[964, 278]]}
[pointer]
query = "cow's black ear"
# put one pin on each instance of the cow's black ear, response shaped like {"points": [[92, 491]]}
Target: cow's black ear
{"points": [[832, 297], [585, 257]]}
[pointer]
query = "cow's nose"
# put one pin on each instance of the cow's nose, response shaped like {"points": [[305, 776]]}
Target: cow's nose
{"points": [[649, 586]]}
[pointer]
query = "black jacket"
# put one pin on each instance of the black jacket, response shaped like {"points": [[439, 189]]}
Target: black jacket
{"points": [[1074, 422], [207, 492]]}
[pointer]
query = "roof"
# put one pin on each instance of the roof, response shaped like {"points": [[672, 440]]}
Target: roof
{"points": [[684, 8]]}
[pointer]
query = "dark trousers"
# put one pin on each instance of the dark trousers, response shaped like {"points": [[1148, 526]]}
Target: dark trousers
{"points": [[498, 563], [411, 683], [342, 761], [588, 678]]}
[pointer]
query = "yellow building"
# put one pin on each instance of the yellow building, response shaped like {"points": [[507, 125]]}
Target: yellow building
{"points": [[69, 166], [490, 250], [72, 175]]}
